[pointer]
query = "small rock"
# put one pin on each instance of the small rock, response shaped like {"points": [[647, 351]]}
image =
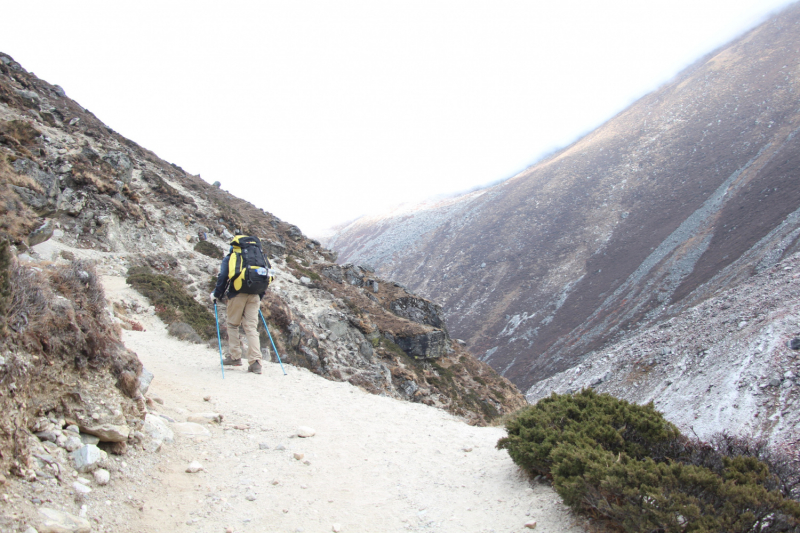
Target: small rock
{"points": [[280, 447], [72, 443], [31, 530], [336, 528], [206, 398], [251, 497], [263, 446], [531, 524], [190, 429], [194, 467], [58, 522], [205, 418], [102, 476], [275, 482], [72, 428], [298, 456], [158, 430], [88, 457], [145, 378], [80, 488], [108, 432], [466, 449], [2, 480], [794, 344], [228, 530], [774, 382], [305, 432]]}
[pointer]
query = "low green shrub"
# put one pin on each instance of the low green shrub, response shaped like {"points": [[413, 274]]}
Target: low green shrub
{"points": [[172, 302], [211, 250], [628, 467]]}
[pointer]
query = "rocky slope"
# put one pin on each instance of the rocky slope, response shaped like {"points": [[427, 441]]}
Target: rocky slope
{"points": [[731, 363], [689, 191], [80, 201]]}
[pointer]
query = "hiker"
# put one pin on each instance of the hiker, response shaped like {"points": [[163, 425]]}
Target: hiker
{"points": [[246, 275]]}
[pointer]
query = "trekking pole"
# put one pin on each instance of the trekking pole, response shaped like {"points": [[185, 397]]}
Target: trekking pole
{"points": [[219, 341], [272, 341]]}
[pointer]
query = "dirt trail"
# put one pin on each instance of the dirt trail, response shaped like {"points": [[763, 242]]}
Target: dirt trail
{"points": [[375, 464]]}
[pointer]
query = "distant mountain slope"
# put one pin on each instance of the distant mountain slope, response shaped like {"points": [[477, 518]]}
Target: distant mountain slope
{"points": [[692, 188]]}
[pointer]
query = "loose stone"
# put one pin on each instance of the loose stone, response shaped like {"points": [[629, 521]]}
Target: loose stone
{"points": [[194, 467], [305, 432], [102, 476]]}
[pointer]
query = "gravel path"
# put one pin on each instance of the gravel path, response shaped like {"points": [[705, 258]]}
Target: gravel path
{"points": [[375, 464]]}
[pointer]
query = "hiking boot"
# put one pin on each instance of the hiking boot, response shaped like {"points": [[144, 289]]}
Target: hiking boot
{"points": [[232, 362], [255, 367]]}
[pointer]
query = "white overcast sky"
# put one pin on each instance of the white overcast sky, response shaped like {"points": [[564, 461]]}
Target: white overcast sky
{"points": [[320, 111]]}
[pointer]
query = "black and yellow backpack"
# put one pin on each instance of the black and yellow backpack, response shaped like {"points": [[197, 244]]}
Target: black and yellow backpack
{"points": [[249, 271]]}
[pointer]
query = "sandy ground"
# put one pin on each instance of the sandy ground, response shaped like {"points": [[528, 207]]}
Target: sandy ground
{"points": [[375, 464]]}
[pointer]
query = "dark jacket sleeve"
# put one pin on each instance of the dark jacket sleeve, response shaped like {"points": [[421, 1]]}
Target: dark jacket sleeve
{"points": [[222, 279]]}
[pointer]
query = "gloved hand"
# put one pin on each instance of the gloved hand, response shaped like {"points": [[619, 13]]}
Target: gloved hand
{"points": [[213, 298]]}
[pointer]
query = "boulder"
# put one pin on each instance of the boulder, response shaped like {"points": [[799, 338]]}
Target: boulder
{"points": [[419, 310], [428, 345], [42, 233]]}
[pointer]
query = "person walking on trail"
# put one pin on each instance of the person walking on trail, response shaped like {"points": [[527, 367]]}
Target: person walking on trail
{"points": [[245, 273]]}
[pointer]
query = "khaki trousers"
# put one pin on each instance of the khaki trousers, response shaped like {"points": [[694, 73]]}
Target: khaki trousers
{"points": [[243, 310]]}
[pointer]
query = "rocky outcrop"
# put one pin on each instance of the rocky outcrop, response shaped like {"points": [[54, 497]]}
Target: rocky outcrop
{"points": [[419, 310]]}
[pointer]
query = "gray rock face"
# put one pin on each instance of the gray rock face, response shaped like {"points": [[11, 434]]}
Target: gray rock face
{"points": [[122, 164], [409, 387], [295, 233], [365, 349], [29, 97], [71, 202], [42, 233], [419, 310], [44, 202], [427, 345], [333, 273], [145, 379], [273, 249]]}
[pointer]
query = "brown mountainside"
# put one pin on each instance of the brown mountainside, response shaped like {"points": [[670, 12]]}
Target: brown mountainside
{"points": [[692, 188]]}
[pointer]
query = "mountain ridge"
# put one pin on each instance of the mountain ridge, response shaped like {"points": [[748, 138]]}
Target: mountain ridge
{"points": [[622, 228]]}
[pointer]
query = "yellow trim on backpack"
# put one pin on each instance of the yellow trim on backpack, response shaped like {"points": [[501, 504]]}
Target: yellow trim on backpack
{"points": [[235, 270]]}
